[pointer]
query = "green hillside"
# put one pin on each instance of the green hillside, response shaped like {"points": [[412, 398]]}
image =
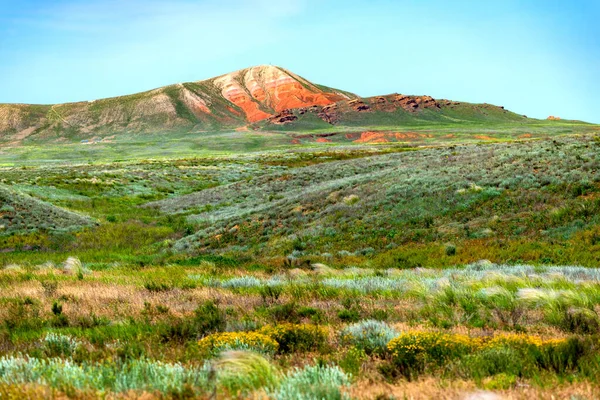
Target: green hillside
{"points": [[20, 213]]}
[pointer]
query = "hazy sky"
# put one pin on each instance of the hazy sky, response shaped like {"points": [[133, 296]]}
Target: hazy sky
{"points": [[536, 57]]}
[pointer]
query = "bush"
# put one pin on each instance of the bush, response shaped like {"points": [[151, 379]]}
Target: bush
{"points": [[352, 360], [414, 352], [500, 382], [208, 318], [219, 342], [370, 335], [349, 315], [450, 250], [581, 320], [55, 345], [296, 337], [285, 312], [313, 382], [241, 372], [493, 361]]}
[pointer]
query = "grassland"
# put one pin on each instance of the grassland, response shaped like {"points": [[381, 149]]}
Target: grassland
{"points": [[242, 265]]}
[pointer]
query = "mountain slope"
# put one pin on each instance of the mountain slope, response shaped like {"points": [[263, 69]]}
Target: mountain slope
{"points": [[259, 98], [225, 102], [21, 213], [389, 111]]}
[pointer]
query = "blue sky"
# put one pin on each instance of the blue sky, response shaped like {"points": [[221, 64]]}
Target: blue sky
{"points": [[536, 57]]}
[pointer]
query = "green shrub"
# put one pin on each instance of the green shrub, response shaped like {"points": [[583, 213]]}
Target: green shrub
{"points": [[225, 341], [414, 352], [207, 319], [55, 345], [352, 360], [370, 335], [296, 337], [313, 382], [241, 372], [581, 320], [496, 360], [450, 249], [500, 382]]}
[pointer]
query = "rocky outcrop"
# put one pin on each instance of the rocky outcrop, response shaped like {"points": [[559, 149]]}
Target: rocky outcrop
{"points": [[334, 113]]}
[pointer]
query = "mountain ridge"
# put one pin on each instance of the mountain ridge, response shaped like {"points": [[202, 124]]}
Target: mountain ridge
{"points": [[228, 101], [263, 97]]}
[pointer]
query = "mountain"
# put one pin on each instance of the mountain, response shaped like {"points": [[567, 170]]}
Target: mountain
{"points": [[258, 98], [225, 102]]}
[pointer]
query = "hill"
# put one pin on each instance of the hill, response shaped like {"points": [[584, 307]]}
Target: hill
{"points": [[507, 192], [262, 98], [394, 110], [226, 102], [20, 213]]}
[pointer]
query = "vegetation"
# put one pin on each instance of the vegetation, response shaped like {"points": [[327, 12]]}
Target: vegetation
{"points": [[346, 271]]}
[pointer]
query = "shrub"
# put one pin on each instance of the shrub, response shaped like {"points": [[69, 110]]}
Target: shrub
{"points": [[500, 382], [270, 294], [519, 341], [172, 380], [349, 315], [285, 312], [370, 335], [352, 360], [414, 352], [154, 286], [219, 342], [55, 344], [208, 318], [494, 360], [450, 249], [313, 382], [581, 320], [296, 337], [241, 372]]}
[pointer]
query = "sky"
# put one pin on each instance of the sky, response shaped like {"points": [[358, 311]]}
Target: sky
{"points": [[534, 57]]}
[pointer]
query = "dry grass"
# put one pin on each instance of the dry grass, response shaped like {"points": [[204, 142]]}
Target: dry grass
{"points": [[433, 388]]}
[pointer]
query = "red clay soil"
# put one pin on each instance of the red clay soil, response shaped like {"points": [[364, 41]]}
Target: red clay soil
{"points": [[266, 90], [372, 137], [241, 99], [483, 137], [280, 91], [383, 137]]}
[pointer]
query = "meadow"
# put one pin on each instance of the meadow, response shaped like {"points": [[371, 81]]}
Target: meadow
{"points": [[435, 268]]}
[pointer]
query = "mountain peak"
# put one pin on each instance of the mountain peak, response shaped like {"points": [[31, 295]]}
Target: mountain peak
{"points": [[263, 90]]}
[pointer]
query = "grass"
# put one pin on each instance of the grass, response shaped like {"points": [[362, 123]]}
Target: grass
{"points": [[340, 269]]}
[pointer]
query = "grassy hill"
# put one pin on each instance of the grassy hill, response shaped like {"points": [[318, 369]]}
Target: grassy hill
{"points": [[20, 213], [528, 191]]}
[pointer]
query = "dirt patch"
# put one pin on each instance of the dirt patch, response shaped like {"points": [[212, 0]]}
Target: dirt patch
{"points": [[372, 137]]}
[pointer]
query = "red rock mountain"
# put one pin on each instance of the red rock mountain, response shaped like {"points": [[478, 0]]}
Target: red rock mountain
{"points": [[229, 101]]}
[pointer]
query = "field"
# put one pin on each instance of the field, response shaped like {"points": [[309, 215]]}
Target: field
{"points": [[448, 263]]}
